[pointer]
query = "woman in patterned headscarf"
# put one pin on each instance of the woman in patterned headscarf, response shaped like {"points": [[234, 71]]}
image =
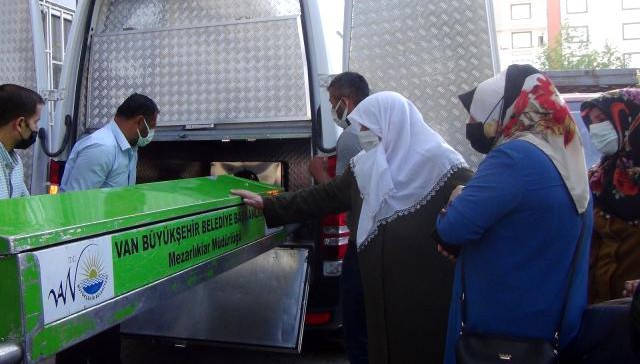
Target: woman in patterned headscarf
{"points": [[614, 120], [518, 220]]}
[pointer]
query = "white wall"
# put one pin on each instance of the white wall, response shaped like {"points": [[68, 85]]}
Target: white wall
{"points": [[605, 20], [332, 15], [536, 25]]}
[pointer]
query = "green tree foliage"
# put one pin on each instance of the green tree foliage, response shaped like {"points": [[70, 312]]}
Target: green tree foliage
{"points": [[568, 54]]}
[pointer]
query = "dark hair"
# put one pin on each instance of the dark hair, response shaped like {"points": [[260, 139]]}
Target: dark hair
{"points": [[17, 101], [350, 84], [136, 105]]}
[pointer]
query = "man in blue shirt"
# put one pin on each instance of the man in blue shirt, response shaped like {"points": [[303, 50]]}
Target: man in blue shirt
{"points": [[20, 110], [108, 157]]}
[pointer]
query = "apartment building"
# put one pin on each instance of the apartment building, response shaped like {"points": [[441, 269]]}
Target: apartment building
{"points": [[524, 27]]}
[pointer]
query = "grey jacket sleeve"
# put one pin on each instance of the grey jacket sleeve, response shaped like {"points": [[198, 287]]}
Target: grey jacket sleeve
{"points": [[311, 203]]}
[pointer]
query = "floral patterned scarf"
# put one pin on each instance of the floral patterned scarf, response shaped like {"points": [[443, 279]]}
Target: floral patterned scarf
{"points": [[616, 178], [533, 110]]}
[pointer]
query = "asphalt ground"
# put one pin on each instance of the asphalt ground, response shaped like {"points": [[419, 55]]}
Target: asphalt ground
{"points": [[315, 350]]}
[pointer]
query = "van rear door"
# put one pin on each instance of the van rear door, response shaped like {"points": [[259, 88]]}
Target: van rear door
{"points": [[22, 62], [430, 51], [224, 73]]}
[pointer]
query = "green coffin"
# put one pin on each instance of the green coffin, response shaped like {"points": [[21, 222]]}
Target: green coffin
{"points": [[76, 263], [34, 222]]}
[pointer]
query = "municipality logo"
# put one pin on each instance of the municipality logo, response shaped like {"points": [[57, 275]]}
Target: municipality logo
{"points": [[91, 271]]}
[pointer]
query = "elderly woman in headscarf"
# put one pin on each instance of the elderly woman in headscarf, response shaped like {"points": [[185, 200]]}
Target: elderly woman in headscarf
{"points": [[521, 219], [614, 125], [394, 190]]}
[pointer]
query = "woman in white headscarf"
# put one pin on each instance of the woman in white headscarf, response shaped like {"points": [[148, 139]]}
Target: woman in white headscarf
{"points": [[394, 190]]}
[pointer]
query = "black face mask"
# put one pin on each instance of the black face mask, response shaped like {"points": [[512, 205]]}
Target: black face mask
{"points": [[26, 143], [479, 141]]}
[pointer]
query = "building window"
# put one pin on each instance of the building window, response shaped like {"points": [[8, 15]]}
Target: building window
{"points": [[578, 34], [520, 11], [631, 31], [630, 4], [521, 40], [576, 6], [632, 60]]}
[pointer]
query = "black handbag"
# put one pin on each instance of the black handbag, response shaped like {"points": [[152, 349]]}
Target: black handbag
{"points": [[490, 349], [476, 348]]}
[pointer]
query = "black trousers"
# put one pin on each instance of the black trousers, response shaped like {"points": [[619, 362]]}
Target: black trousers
{"points": [[353, 314], [604, 336]]}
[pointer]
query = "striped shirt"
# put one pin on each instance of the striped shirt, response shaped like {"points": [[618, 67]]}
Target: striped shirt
{"points": [[12, 175]]}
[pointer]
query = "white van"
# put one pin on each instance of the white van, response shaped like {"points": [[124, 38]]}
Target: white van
{"points": [[241, 89]]}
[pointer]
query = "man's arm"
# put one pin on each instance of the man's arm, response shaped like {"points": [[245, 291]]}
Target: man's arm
{"points": [[90, 169], [318, 169], [314, 202]]}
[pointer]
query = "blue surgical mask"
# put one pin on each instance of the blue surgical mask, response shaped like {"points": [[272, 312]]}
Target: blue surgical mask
{"points": [[368, 140], [604, 137], [143, 141]]}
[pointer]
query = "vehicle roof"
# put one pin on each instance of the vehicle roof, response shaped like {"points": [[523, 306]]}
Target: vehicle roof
{"points": [[580, 96]]}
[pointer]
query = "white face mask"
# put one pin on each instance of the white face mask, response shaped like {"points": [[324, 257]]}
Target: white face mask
{"points": [[604, 137], [368, 140], [143, 141], [340, 121]]}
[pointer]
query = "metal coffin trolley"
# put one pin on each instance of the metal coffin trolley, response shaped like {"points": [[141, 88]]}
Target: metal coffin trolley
{"points": [[74, 264]]}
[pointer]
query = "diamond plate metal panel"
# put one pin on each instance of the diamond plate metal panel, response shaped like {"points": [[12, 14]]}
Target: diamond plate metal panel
{"points": [[82, 104], [17, 61], [249, 72], [161, 161], [428, 50], [117, 15]]}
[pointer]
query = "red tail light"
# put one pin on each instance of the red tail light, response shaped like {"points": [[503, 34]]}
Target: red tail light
{"points": [[334, 236], [317, 318], [55, 176]]}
